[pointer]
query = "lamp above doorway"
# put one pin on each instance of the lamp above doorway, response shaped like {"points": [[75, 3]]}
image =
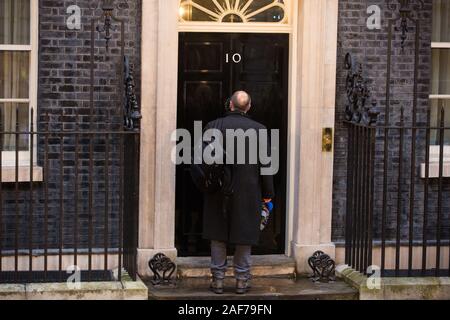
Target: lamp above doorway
{"points": [[108, 5]]}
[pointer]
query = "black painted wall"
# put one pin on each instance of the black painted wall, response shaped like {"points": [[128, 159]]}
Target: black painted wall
{"points": [[63, 101], [370, 48]]}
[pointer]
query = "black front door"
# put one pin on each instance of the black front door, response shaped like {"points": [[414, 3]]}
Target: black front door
{"points": [[211, 67]]}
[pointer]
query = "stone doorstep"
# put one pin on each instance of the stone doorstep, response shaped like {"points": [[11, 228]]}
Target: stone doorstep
{"points": [[415, 288], [125, 290], [263, 266], [262, 289]]}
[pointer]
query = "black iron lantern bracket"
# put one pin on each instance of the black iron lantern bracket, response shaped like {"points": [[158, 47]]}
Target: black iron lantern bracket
{"points": [[358, 95], [108, 17], [406, 10], [132, 114]]}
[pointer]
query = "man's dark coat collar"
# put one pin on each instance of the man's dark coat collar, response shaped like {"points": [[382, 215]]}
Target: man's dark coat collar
{"points": [[236, 113]]}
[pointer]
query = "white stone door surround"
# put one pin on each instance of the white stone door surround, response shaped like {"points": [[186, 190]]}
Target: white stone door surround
{"points": [[311, 108]]}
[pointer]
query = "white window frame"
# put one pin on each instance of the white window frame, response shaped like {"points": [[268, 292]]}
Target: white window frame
{"points": [[435, 149], [9, 157]]}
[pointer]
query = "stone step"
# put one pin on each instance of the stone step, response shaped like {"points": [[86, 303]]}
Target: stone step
{"points": [[262, 289], [263, 266]]}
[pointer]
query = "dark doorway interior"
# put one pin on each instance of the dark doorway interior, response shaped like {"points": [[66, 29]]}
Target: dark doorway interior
{"points": [[211, 67]]}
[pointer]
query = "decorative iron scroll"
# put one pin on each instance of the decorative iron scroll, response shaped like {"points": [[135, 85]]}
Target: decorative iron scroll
{"points": [[323, 267], [132, 114], [358, 95], [405, 10], [107, 27], [163, 269]]}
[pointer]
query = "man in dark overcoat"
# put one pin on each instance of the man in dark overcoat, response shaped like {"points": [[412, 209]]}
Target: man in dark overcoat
{"points": [[240, 226]]}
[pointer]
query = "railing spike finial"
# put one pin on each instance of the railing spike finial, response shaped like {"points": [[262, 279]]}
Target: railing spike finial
{"points": [[442, 116], [47, 121], [402, 115], [32, 122], [17, 118]]}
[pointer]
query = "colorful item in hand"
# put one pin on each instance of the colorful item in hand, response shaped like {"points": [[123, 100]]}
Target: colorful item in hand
{"points": [[267, 208]]}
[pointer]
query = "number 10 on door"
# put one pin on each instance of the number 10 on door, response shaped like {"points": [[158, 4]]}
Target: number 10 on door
{"points": [[236, 58]]}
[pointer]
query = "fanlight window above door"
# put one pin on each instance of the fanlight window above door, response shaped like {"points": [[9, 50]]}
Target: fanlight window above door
{"points": [[233, 11]]}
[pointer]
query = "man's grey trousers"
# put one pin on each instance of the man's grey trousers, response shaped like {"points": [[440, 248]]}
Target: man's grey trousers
{"points": [[242, 261]]}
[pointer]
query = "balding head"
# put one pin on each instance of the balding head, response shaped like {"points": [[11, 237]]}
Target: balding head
{"points": [[241, 101]]}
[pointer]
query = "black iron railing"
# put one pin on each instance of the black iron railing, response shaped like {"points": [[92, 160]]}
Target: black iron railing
{"points": [[398, 190], [398, 203], [77, 210], [77, 207]]}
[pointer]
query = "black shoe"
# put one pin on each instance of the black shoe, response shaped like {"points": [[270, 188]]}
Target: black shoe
{"points": [[242, 286], [217, 286]]}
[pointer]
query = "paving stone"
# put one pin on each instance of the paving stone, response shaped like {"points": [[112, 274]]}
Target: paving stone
{"points": [[12, 292], [128, 290], [87, 291], [134, 290]]}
